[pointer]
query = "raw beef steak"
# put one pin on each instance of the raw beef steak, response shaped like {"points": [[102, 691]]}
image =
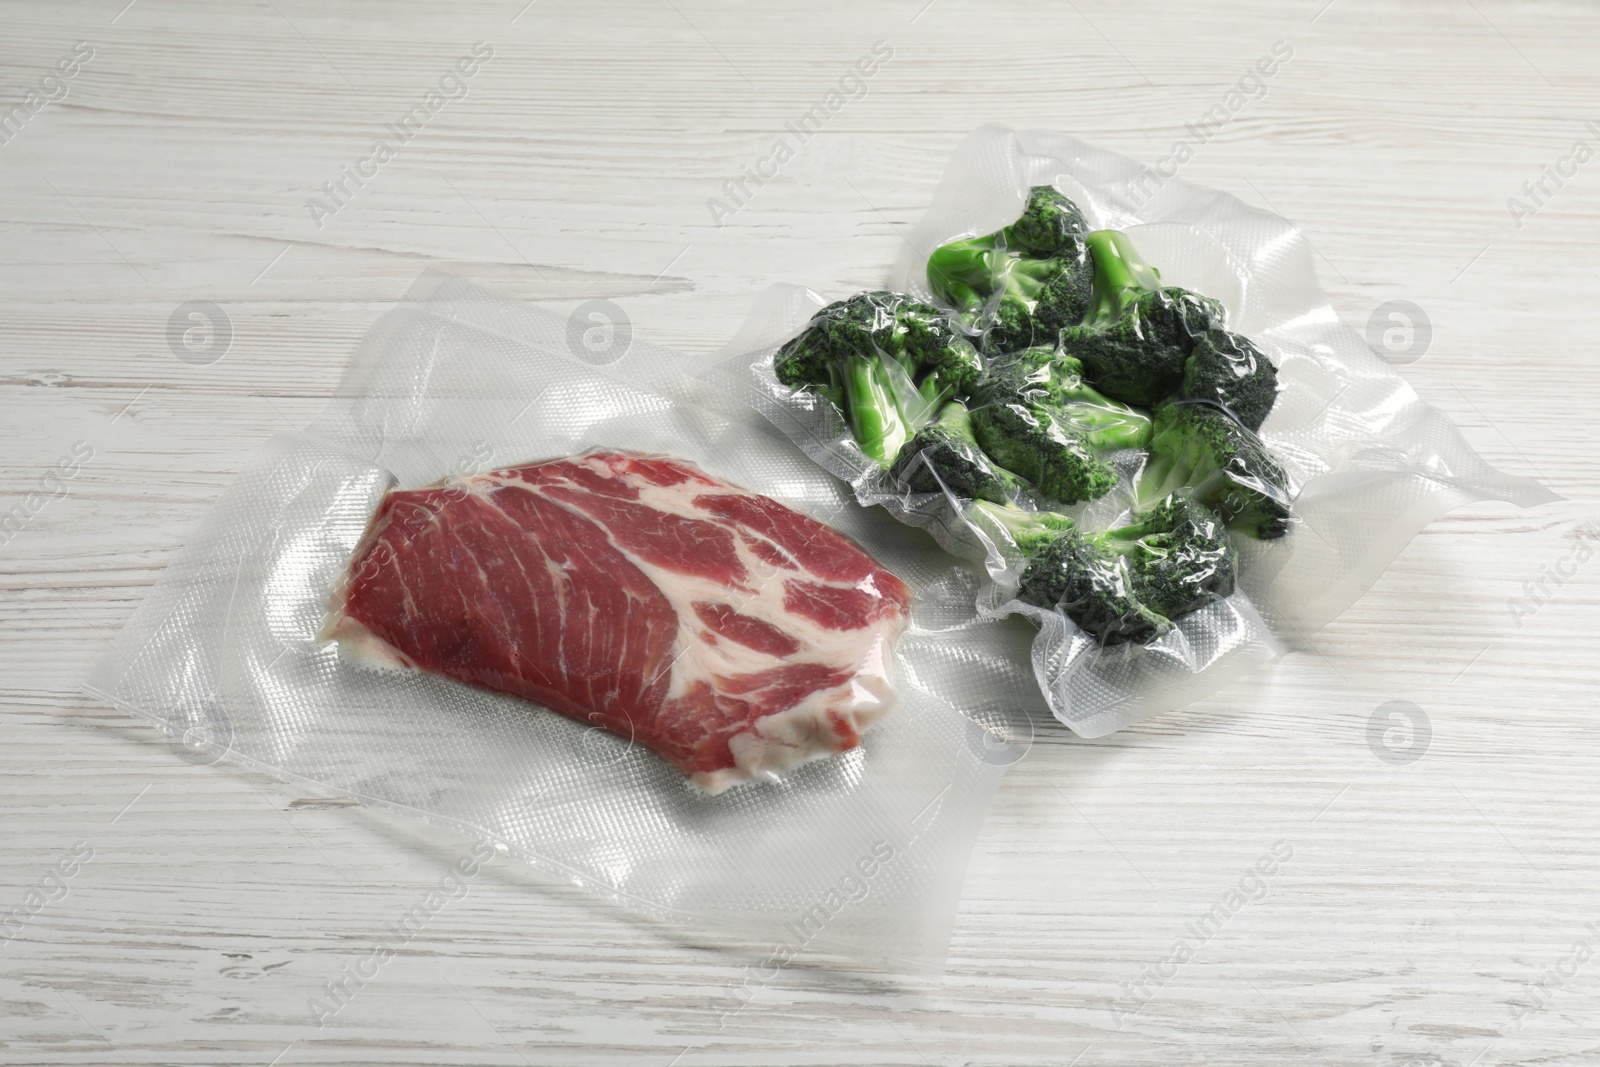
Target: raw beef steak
{"points": [[734, 636]]}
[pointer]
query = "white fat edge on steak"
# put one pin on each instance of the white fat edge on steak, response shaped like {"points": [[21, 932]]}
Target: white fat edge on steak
{"points": [[778, 743]]}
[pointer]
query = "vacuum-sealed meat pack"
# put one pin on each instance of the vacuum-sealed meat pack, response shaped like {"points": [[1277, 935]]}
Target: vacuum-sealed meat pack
{"points": [[603, 617]]}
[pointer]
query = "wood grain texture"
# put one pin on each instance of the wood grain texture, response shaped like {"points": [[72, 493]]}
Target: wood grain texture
{"points": [[1421, 903]]}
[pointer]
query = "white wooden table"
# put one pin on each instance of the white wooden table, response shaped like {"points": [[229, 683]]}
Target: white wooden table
{"points": [[1436, 911]]}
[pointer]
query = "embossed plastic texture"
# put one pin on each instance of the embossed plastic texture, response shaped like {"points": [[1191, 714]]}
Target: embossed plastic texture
{"points": [[1369, 463], [857, 855]]}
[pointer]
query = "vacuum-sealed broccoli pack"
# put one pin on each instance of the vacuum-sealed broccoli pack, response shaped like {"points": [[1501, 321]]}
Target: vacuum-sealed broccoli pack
{"points": [[1134, 409]]}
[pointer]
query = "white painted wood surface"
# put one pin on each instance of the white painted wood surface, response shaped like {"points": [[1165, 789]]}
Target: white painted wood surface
{"points": [[1423, 903]]}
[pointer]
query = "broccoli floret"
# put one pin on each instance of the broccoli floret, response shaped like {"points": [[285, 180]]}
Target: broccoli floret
{"points": [[1022, 284], [887, 360], [810, 360], [873, 411], [1033, 414], [1048, 375], [1094, 587], [1008, 327], [919, 336], [1017, 300], [945, 455], [1228, 369], [1183, 556], [1050, 224], [1120, 585], [1022, 433], [1122, 279], [1136, 335], [948, 364], [1065, 298], [1038, 298], [1200, 449]]}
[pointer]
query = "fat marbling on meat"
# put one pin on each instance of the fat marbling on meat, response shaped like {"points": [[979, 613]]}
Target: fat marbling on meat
{"points": [[734, 636]]}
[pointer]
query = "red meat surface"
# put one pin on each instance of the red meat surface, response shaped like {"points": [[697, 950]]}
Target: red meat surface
{"points": [[734, 636]]}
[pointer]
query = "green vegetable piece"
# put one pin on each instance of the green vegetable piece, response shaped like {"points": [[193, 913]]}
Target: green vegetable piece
{"points": [[1025, 436], [1021, 285], [1137, 335], [944, 454], [886, 360], [1050, 224], [1121, 585], [1201, 450], [1046, 374], [1229, 370]]}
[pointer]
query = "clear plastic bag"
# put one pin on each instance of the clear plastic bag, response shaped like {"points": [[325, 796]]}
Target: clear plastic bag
{"points": [[1368, 462], [857, 856]]}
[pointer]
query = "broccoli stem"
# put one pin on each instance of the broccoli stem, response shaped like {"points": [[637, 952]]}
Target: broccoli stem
{"points": [[1028, 530], [833, 388], [870, 406], [1106, 425], [934, 393], [957, 417], [1122, 539], [1162, 476], [962, 272], [1120, 275]]}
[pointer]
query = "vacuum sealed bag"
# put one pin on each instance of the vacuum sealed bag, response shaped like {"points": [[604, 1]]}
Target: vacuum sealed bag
{"points": [[1125, 399], [600, 614]]}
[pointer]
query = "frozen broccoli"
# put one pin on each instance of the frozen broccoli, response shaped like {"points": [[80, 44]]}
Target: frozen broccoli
{"points": [[1024, 434], [1050, 224], [945, 455], [965, 272], [1094, 586], [1048, 375], [1127, 584], [1022, 284], [1201, 450], [1228, 369], [1033, 414], [887, 360], [1137, 334], [1185, 559]]}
